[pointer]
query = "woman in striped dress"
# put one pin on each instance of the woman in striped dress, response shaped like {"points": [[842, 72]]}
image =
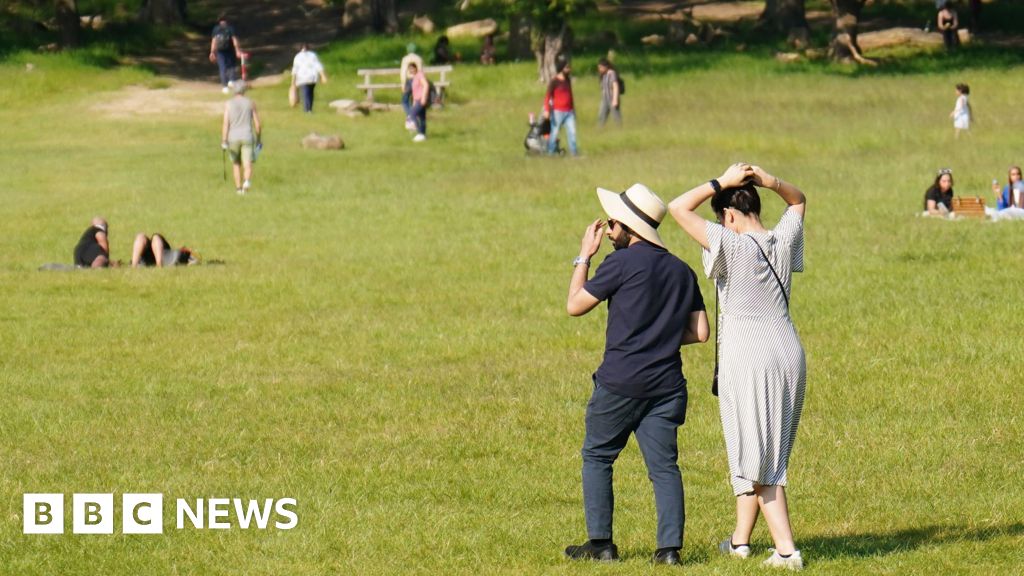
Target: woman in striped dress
{"points": [[762, 371]]}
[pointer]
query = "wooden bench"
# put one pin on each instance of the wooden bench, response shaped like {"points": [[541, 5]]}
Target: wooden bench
{"points": [[969, 206], [368, 85]]}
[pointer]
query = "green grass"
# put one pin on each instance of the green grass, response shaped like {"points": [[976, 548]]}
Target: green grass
{"points": [[387, 340]]}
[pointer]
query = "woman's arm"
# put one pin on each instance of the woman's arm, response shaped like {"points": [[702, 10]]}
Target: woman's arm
{"points": [[789, 193], [683, 208]]}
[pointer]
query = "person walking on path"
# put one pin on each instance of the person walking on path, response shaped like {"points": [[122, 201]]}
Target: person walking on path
{"points": [[762, 370], [240, 134], [559, 107], [226, 52], [654, 308], [610, 92], [306, 70], [93, 248], [420, 91]]}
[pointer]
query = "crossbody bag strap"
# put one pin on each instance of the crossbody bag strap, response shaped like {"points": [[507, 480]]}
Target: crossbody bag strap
{"points": [[718, 337], [772, 268]]}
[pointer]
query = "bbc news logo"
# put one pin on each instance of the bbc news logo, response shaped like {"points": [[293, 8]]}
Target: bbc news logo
{"points": [[144, 513]]}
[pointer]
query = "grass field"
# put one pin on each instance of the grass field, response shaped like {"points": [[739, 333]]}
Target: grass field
{"points": [[387, 341]]}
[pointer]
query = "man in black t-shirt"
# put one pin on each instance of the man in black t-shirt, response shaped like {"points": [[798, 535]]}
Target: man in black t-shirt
{"points": [[93, 249], [225, 51], [654, 307]]}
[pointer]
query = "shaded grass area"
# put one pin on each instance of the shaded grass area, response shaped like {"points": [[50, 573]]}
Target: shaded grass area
{"points": [[387, 340]]}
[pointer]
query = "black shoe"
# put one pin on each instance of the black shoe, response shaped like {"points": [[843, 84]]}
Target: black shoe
{"points": [[588, 551], [668, 556]]}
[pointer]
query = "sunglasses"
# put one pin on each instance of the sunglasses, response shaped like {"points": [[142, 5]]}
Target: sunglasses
{"points": [[946, 171]]}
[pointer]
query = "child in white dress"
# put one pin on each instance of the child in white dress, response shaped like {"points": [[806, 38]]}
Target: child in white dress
{"points": [[961, 113]]}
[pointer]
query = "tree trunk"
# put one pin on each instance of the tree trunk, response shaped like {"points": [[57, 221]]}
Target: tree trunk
{"points": [[844, 41], [789, 17], [163, 12], [548, 46], [519, 32], [384, 16], [68, 22]]}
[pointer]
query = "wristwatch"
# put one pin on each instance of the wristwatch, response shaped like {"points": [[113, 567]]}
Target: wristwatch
{"points": [[580, 260]]}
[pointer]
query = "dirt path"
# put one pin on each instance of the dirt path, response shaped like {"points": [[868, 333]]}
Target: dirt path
{"points": [[269, 30]]}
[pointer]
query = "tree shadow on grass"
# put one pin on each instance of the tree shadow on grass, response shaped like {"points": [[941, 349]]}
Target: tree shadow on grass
{"points": [[883, 543]]}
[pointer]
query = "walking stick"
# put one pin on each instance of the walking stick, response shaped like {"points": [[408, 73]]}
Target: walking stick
{"points": [[224, 163]]}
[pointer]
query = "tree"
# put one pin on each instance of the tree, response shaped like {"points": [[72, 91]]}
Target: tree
{"points": [[384, 16], [550, 30], [847, 22], [68, 22], [164, 12], [787, 16]]}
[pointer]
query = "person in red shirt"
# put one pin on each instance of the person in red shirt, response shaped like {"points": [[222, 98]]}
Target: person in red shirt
{"points": [[558, 106]]}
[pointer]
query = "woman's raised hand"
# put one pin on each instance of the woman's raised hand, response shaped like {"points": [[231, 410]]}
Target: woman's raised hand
{"points": [[764, 179], [736, 175]]}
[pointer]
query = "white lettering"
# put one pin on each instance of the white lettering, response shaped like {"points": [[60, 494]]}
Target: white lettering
{"points": [[253, 511], [195, 516], [282, 511], [218, 509], [42, 513], [142, 514], [92, 514]]}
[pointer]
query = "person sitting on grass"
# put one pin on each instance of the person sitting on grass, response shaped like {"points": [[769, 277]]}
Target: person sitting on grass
{"points": [[1010, 195], [93, 249], [938, 199], [240, 132], [157, 251]]}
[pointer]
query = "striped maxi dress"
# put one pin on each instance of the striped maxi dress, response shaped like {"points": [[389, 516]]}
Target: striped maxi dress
{"points": [[762, 370]]}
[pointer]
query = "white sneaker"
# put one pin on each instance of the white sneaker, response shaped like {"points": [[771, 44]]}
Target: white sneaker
{"points": [[239, 191], [794, 562], [225, 90], [726, 547], [410, 125], [246, 186], [419, 138]]}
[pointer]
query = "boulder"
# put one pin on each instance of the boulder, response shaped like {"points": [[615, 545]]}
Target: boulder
{"points": [[475, 29], [314, 141], [424, 24], [344, 105], [653, 40], [94, 22]]}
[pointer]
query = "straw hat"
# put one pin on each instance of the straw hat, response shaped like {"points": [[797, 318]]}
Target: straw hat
{"points": [[638, 208]]}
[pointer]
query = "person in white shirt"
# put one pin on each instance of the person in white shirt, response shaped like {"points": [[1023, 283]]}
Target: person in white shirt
{"points": [[411, 57], [306, 70]]}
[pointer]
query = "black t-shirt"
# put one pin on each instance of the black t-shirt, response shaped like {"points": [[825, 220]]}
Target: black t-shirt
{"points": [[939, 197], [88, 248], [223, 36], [650, 295]]}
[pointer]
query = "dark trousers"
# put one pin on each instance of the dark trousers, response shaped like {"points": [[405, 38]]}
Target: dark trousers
{"points": [[226, 65], [419, 116], [611, 418], [306, 92]]}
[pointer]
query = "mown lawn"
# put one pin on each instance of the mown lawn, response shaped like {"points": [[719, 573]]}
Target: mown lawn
{"points": [[387, 343]]}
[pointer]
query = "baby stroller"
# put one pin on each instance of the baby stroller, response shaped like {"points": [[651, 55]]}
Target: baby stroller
{"points": [[536, 141]]}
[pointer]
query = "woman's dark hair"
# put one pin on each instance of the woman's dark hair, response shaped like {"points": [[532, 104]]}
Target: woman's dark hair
{"points": [[743, 198], [561, 61], [963, 88], [606, 63], [943, 172]]}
